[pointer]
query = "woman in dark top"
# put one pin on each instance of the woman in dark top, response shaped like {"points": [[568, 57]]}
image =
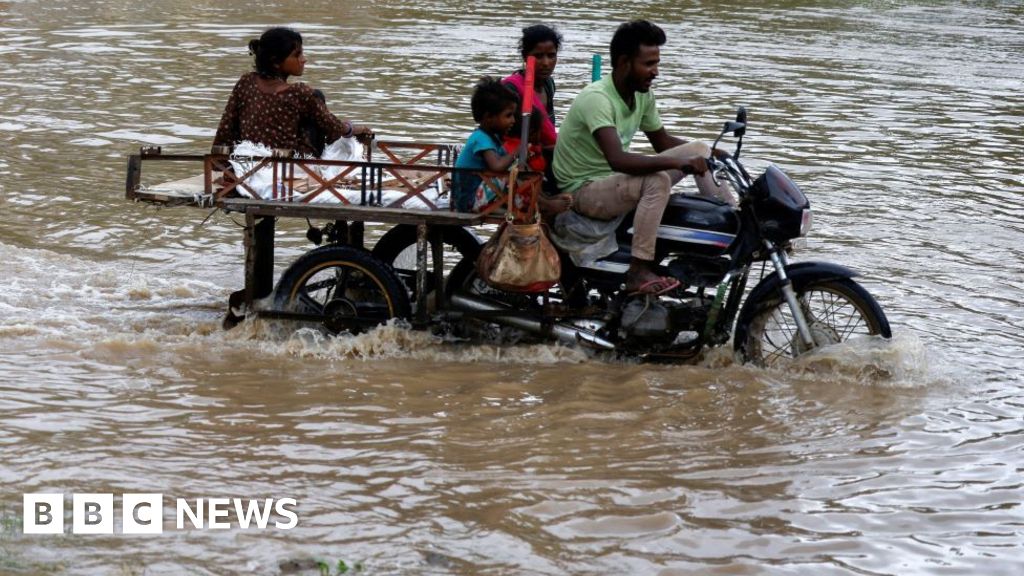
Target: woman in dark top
{"points": [[542, 42], [266, 109]]}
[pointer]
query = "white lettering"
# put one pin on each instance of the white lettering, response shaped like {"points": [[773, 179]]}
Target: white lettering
{"points": [[195, 517], [262, 516], [144, 513], [290, 514], [217, 508]]}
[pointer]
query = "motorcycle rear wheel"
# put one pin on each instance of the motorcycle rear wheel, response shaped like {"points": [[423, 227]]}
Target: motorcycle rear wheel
{"points": [[397, 247], [837, 310], [343, 288]]}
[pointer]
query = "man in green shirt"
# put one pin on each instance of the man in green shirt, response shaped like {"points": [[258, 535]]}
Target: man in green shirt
{"points": [[592, 159]]}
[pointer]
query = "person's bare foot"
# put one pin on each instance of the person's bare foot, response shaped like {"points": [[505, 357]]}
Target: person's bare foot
{"points": [[551, 206]]}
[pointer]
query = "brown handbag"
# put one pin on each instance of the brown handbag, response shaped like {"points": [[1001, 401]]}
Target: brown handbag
{"points": [[519, 257]]}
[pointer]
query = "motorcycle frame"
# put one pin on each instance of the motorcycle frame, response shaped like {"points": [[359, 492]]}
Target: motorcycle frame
{"points": [[746, 251]]}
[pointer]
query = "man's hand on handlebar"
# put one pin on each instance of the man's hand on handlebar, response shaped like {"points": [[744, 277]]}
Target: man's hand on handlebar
{"points": [[695, 165], [717, 157]]}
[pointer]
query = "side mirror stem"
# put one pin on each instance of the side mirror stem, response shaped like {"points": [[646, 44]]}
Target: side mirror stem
{"points": [[717, 140]]}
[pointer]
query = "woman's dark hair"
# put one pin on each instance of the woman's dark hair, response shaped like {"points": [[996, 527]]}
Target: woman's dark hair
{"points": [[272, 48], [630, 36], [533, 35], [491, 97]]}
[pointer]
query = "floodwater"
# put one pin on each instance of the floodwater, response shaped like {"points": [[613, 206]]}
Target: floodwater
{"points": [[900, 119]]}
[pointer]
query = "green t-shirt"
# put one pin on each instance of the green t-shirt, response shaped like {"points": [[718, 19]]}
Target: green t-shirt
{"points": [[578, 158]]}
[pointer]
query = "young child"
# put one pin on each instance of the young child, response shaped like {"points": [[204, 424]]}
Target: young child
{"points": [[494, 110]]}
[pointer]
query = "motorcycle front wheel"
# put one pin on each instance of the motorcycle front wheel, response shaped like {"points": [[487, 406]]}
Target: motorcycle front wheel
{"points": [[343, 289], [837, 310]]}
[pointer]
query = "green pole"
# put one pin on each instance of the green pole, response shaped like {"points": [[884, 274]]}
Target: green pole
{"points": [[595, 68]]}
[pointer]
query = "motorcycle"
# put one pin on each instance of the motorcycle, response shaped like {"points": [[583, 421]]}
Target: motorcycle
{"points": [[710, 247]]}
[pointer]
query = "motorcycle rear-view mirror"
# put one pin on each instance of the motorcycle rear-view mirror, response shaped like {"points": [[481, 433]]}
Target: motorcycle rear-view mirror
{"points": [[737, 128]]}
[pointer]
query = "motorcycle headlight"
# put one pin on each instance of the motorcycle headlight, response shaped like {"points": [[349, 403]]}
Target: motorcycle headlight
{"points": [[805, 222]]}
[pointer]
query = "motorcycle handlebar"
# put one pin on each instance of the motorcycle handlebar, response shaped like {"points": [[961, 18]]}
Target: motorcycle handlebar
{"points": [[689, 170]]}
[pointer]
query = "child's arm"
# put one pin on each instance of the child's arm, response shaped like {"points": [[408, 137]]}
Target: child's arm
{"points": [[497, 163]]}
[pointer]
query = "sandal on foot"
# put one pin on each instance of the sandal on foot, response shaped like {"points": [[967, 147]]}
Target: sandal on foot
{"points": [[650, 287]]}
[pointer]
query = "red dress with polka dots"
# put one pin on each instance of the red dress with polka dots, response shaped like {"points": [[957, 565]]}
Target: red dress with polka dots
{"points": [[273, 119]]}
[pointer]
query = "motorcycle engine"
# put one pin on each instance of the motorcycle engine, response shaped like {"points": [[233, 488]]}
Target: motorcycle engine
{"points": [[646, 318]]}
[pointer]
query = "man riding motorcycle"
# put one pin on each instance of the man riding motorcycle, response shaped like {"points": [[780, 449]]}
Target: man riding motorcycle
{"points": [[592, 159]]}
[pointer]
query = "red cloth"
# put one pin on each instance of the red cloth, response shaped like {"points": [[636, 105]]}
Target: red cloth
{"points": [[534, 153]]}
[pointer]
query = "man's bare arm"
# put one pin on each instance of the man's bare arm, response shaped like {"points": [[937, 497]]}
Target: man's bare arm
{"points": [[661, 140], [639, 164]]}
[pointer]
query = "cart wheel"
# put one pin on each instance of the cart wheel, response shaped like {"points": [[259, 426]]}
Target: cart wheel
{"points": [[343, 288], [397, 247]]}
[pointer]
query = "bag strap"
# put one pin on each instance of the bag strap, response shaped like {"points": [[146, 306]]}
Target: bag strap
{"points": [[513, 178]]}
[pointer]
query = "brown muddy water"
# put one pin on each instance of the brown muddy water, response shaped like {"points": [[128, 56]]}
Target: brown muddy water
{"points": [[406, 455]]}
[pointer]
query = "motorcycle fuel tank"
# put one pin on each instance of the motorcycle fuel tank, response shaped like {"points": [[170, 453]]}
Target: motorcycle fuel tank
{"points": [[692, 225]]}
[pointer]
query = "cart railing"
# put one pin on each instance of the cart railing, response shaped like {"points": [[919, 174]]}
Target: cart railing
{"points": [[413, 173]]}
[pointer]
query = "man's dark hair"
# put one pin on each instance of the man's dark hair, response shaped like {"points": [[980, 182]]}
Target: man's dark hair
{"points": [[491, 97], [533, 35], [272, 48], [630, 36]]}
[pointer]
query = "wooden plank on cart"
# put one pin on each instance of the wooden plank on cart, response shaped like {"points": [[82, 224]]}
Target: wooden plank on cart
{"points": [[351, 212]]}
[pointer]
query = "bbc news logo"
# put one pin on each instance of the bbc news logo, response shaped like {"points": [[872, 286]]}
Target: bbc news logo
{"points": [[144, 513]]}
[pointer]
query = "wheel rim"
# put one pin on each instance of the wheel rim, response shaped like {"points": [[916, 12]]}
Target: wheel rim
{"points": [[832, 316], [344, 294]]}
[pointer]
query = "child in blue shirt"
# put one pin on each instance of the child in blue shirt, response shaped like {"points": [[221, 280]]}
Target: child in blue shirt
{"points": [[494, 110]]}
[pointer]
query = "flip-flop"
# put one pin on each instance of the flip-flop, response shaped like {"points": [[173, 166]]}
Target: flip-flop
{"points": [[668, 282]]}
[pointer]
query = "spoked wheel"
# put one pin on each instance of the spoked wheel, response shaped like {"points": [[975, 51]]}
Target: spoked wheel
{"points": [[342, 288], [837, 310], [397, 247]]}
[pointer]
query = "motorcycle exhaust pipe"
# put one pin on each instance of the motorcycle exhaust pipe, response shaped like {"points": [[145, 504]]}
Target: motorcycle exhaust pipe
{"points": [[565, 332]]}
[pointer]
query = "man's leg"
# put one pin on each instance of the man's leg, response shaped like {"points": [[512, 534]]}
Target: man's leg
{"points": [[706, 186], [618, 194]]}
